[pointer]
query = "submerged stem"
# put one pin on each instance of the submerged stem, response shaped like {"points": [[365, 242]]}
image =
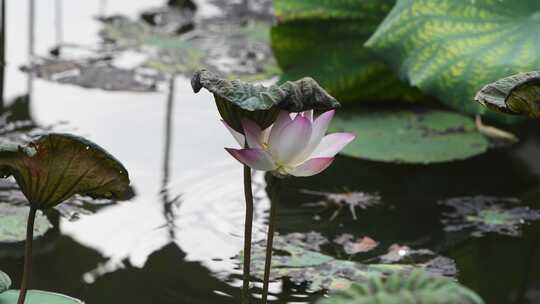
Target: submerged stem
{"points": [[270, 238], [27, 254], [248, 226]]}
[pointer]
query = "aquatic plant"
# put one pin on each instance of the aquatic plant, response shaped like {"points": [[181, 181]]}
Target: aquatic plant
{"points": [[517, 94], [403, 288], [479, 215], [299, 258], [386, 52], [53, 168], [237, 102], [295, 145]]}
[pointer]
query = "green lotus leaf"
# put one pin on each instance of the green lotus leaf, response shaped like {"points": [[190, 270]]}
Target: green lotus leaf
{"points": [[55, 167], [410, 135], [517, 94], [402, 288], [5, 282], [13, 227], [451, 48], [325, 40], [37, 297]]}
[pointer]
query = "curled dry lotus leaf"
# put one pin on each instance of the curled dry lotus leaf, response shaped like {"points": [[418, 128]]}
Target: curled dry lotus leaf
{"points": [[264, 102], [5, 282], [416, 287], [37, 297], [55, 167], [517, 94]]}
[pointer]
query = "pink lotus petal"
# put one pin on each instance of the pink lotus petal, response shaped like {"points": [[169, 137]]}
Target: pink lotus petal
{"points": [[256, 159], [281, 122], [292, 140], [312, 166], [253, 134], [237, 135], [332, 144], [320, 126]]}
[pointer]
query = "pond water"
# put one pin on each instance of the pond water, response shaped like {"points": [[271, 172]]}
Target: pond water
{"points": [[175, 240]]}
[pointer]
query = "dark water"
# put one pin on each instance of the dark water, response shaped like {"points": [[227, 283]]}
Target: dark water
{"points": [[174, 241]]}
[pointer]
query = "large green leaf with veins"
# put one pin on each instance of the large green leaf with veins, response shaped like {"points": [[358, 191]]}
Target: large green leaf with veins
{"points": [[415, 135], [402, 288], [451, 48], [37, 297], [324, 39], [55, 167]]}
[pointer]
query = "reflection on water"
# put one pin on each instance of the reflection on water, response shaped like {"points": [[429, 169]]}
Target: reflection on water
{"points": [[175, 240]]}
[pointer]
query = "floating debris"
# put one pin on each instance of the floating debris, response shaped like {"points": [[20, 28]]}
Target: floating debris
{"points": [[353, 200], [295, 258], [484, 214], [354, 246]]}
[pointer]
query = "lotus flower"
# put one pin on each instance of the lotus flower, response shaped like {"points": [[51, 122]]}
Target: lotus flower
{"points": [[294, 145]]}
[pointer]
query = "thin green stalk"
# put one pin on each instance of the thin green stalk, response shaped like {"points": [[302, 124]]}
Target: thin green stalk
{"points": [[2, 53], [248, 228], [27, 254], [270, 238]]}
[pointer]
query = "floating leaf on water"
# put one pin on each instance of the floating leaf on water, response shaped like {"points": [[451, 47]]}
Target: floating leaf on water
{"points": [[239, 48], [95, 74], [484, 214], [37, 297], [295, 258], [325, 40], [416, 287], [13, 226], [339, 200], [354, 246], [5, 282], [411, 135], [518, 94], [451, 49], [55, 167], [401, 254]]}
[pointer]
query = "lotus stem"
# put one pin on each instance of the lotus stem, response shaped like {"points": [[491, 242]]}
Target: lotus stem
{"points": [[2, 53], [270, 238], [27, 254], [248, 227]]}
